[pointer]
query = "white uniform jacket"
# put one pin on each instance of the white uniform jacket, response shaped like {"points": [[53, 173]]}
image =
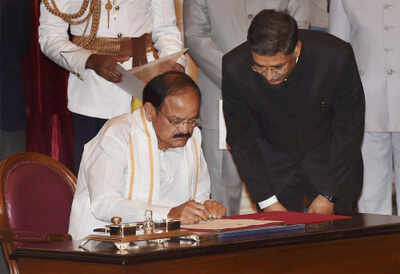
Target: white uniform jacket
{"points": [[120, 176], [373, 29], [90, 94]]}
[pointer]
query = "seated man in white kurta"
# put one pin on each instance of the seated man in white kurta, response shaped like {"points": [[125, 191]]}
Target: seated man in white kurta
{"points": [[148, 159]]}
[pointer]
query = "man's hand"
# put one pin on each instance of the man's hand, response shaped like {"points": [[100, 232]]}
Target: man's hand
{"points": [[190, 212], [215, 209], [321, 205], [275, 207], [178, 67], [104, 66]]}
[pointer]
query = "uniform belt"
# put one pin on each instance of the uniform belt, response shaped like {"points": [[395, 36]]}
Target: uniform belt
{"points": [[136, 47]]}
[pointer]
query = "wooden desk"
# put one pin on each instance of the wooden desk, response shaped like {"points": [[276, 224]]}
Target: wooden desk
{"points": [[363, 244]]}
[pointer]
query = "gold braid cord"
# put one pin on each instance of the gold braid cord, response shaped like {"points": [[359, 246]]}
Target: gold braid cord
{"points": [[94, 13]]}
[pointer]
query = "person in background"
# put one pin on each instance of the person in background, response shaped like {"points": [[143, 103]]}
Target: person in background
{"points": [[104, 33], [294, 111], [15, 29], [372, 27]]}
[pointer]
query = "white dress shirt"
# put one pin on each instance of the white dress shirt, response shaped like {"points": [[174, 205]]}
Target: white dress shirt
{"points": [[90, 94]]}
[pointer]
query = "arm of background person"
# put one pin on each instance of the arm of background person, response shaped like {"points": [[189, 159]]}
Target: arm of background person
{"points": [[202, 48], [339, 24], [166, 35], [54, 41], [347, 124], [300, 10]]}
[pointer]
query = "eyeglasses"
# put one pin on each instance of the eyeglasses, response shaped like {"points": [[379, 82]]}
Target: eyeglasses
{"points": [[176, 122], [279, 69]]}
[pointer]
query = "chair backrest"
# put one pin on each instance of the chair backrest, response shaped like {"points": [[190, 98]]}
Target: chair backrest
{"points": [[36, 195]]}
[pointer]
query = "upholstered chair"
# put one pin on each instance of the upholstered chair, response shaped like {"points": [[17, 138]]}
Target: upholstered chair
{"points": [[36, 195]]}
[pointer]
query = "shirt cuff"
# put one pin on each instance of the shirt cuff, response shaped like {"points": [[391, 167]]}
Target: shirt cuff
{"points": [[268, 202], [161, 213], [76, 63]]}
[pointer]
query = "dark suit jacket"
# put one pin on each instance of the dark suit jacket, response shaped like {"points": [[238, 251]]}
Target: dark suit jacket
{"points": [[309, 129]]}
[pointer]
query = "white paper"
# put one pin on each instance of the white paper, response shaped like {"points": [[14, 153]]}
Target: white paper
{"points": [[130, 83], [222, 224], [222, 128], [134, 80], [156, 67]]}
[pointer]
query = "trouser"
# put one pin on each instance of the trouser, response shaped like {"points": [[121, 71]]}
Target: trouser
{"points": [[226, 185], [381, 154], [85, 128]]}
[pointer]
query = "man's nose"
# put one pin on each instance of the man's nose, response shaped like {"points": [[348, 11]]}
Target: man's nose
{"points": [[272, 75], [185, 127]]}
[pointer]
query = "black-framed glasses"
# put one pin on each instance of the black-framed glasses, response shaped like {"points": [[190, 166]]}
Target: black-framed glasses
{"points": [[176, 122], [278, 69]]}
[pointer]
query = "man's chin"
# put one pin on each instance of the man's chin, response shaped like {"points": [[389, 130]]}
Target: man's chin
{"points": [[179, 142], [276, 82]]}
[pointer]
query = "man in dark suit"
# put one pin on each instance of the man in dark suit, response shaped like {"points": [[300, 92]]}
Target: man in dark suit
{"points": [[294, 109]]}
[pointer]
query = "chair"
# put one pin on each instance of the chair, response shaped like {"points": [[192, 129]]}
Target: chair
{"points": [[36, 195]]}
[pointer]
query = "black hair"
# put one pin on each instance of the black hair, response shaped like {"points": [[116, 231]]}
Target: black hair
{"points": [[165, 84], [272, 32]]}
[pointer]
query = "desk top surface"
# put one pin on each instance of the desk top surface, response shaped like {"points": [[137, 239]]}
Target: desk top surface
{"points": [[361, 225]]}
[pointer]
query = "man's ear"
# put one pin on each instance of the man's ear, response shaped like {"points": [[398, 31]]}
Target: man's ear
{"points": [[297, 49], [149, 111]]}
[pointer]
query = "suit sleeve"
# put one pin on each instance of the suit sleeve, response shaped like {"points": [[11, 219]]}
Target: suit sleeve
{"points": [[300, 10], [248, 147], [347, 125], [198, 38], [339, 24]]}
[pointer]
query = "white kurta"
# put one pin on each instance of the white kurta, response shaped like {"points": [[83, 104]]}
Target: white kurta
{"points": [[91, 95], [111, 184], [373, 29]]}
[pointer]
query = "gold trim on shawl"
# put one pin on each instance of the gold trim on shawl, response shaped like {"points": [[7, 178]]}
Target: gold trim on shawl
{"points": [[150, 200], [132, 167], [196, 151]]}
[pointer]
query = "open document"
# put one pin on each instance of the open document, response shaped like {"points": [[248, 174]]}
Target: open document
{"points": [[227, 224], [134, 80]]}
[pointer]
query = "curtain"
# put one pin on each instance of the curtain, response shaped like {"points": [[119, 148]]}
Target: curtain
{"points": [[49, 124]]}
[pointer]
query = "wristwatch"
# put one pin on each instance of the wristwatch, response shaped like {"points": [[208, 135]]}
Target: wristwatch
{"points": [[330, 197]]}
